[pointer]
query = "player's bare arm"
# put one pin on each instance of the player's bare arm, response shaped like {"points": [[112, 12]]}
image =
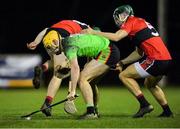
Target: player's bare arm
{"points": [[134, 56], [75, 72], [118, 35], [37, 40]]}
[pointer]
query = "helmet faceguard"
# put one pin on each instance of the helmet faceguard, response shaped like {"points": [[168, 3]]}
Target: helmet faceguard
{"points": [[121, 14], [52, 41]]}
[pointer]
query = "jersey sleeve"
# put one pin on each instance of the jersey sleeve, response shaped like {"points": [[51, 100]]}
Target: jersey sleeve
{"points": [[82, 25], [127, 26], [71, 52]]}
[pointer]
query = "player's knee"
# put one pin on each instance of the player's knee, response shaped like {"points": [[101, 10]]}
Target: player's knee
{"points": [[83, 76], [81, 80], [81, 84], [122, 76], [149, 85]]}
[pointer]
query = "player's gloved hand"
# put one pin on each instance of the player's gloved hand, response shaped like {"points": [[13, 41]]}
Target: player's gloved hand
{"points": [[71, 95], [32, 45]]}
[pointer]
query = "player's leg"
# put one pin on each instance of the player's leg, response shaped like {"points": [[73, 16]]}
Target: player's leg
{"points": [[95, 98], [38, 70], [95, 90], [95, 69], [92, 70], [51, 92], [128, 77], [53, 86], [62, 70], [59, 63], [152, 84]]}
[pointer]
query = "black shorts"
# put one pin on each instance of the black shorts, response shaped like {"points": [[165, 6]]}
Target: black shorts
{"points": [[109, 56], [152, 67]]}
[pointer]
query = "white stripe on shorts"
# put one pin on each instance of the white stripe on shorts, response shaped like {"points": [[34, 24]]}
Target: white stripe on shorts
{"points": [[141, 71]]}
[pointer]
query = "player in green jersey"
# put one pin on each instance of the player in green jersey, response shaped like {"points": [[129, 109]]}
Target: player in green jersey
{"points": [[105, 55]]}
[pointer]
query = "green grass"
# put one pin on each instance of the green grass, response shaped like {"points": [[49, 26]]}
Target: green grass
{"points": [[116, 107]]}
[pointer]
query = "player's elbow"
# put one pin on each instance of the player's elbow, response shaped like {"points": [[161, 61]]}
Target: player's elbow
{"points": [[116, 39], [119, 35]]}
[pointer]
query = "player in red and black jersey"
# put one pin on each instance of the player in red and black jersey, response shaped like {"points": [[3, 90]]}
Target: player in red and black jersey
{"points": [[148, 43], [58, 61], [64, 28]]}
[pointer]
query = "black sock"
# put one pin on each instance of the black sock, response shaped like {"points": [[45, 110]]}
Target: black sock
{"points": [[166, 109], [143, 102], [90, 110]]}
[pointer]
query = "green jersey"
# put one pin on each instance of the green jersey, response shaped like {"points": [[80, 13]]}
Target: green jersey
{"points": [[84, 45]]}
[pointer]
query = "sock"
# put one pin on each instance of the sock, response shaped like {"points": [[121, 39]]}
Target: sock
{"points": [[166, 109], [44, 68], [143, 102], [90, 110], [48, 100]]}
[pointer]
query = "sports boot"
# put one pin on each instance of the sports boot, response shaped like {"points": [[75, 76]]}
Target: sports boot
{"points": [[47, 111], [164, 114], [143, 111], [89, 116], [37, 77]]}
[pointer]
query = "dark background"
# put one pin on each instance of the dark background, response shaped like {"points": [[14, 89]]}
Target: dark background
{"points": [[21, 21]]}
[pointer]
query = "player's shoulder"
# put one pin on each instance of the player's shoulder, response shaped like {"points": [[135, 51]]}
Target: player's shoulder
{"points": [[134, 18], [66, 20]]}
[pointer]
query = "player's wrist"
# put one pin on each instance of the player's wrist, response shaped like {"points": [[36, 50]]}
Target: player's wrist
{"points": [[120, 63], [35, 42]]}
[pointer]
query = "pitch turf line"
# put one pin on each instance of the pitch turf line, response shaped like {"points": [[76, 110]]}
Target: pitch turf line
{"points": [[116, 107]]}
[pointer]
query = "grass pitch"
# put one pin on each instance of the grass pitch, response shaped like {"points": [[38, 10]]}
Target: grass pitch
{"points": [[116, 107]]}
